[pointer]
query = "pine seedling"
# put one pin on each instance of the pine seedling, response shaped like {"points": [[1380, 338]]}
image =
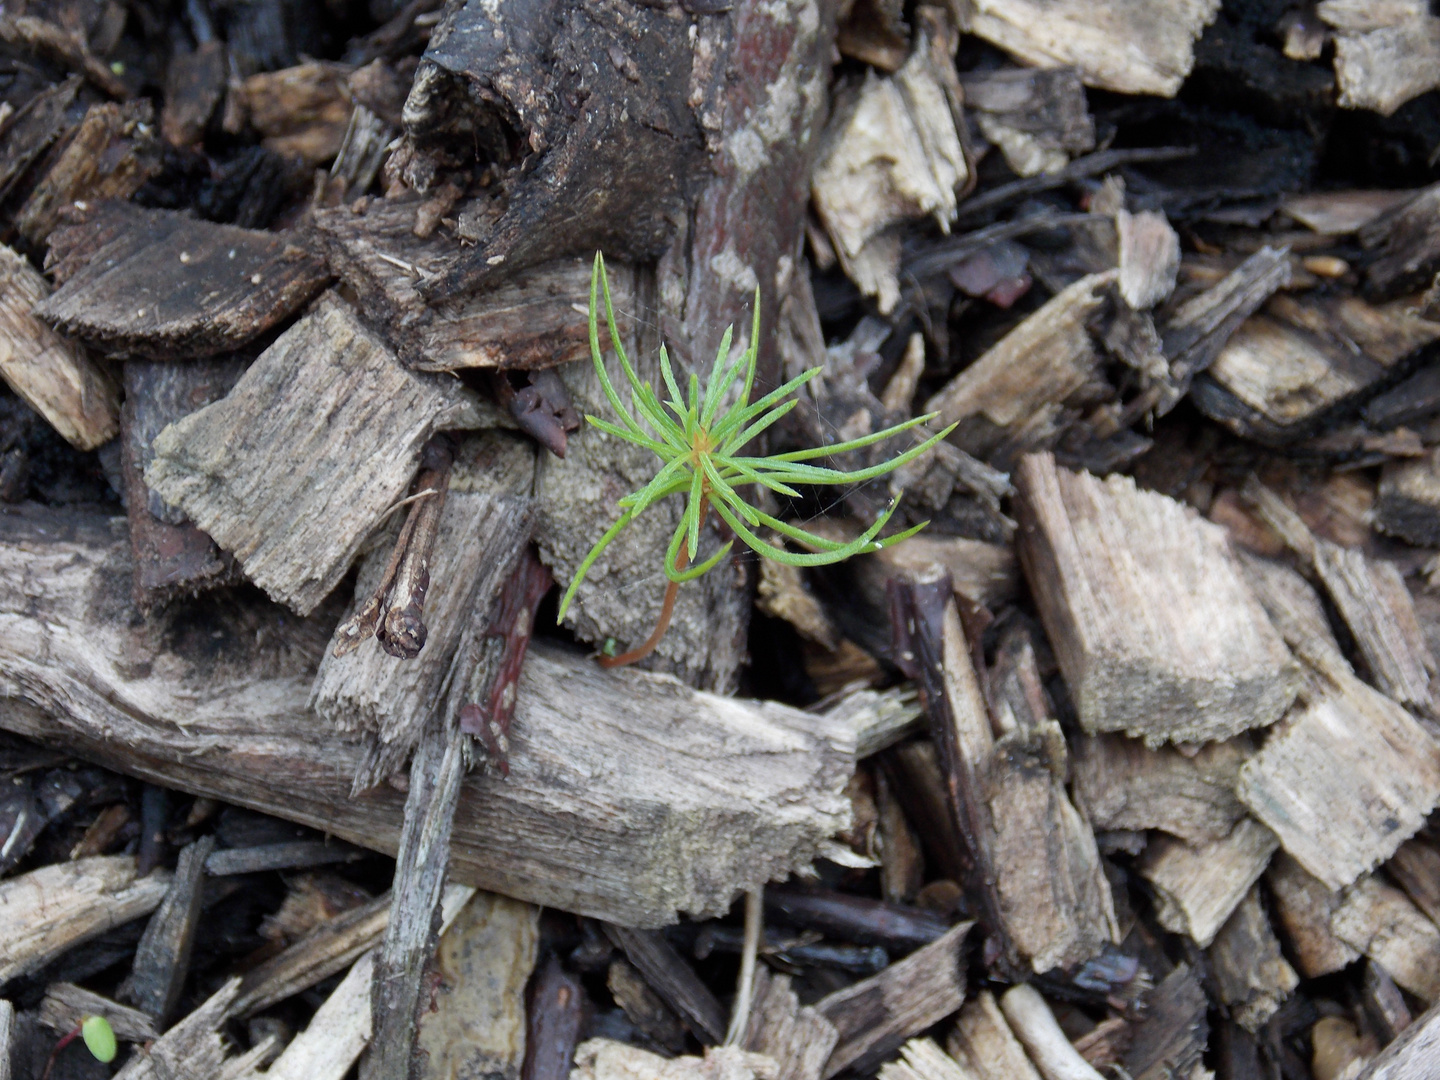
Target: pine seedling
{"points": [[698, 439]]}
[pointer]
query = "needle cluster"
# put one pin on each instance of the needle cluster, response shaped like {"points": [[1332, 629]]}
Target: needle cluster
{"points": [[698, 439]]}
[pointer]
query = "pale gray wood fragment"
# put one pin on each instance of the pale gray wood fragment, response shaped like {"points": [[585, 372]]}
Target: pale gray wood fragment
{"points": [[1413, 1055], [798, 1038], [1198, 887], [65, 1005], [290, 498]]}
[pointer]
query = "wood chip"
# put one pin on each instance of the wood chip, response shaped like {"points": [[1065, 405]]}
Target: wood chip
{"points": [[982, 1039], [291, 502], [1153, 625], [1413, 1055], [1380, 921], [162, 959], [161, 284], [66, 1005], [1384, 56], [1197, 888], [1246, 963], [603, 1059], [51, 373], [1305, 906], [47, 911], [799, 1039]]}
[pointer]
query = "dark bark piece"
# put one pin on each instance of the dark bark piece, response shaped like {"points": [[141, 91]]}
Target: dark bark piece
{"points": [[332, 946], [1245, 961], [534, 318], [770, 800], [1037, 117], [194, 85], [876, 1015], [62, 46], [1413, 1055], [854, 918], [615, 170], [554, 1012], [112, 154], [51, 373], [47, 911], [1304, 907], [1407, 504], [301, 854], [410, 938], [1302, 360], [1171, 1039], [921, 789], [799, 1039], [172, 557], [162, 959], [1179, 649], [1120, 47], [35, 126], [1406, 243], [291, 502], [673, 980], [166, 285], [1383, 1003], [644, 1008], [1411, 400]]}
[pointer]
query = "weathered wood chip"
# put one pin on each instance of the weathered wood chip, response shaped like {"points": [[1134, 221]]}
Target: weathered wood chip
{"points": [[167, 285]]}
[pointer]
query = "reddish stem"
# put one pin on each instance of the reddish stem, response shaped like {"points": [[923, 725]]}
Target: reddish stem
{"points": [[667, 609], [55, 1053]]}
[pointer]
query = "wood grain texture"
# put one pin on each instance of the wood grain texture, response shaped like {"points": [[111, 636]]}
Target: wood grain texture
{"points": [[877, 1014], [1130, 46], [1155, 629], [982, 1039], [1249, 970], [1413, 1055], [1304, 907], [1198, 887], [1384, 57], [52, 373], [162, 959], [621, 783], [161, 284], [798, 1038], [1120, 783], [1034, 1024], [1380, 921], [1348, 780], [290, 499], [54, 908]]}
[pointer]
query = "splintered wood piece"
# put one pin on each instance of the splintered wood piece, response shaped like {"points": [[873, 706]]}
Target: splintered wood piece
{"points": [[1341, 212], [1154, 627], [1301, 359], [1413, 1055], [480, 536], [161, 284], [1035, 1026], [1037, 117], [1125, 46], [1149, 257], [291, 501], [604, 1059], [330, 947], [1305, 906], [922, 1059], [891, 153], [66, 1005], [534, 319], [799, 1039], [1348, 780], [193, 1047], [1385, 57], [421, 863], [982, 1039], [1408, 502], [484, 960], [172, 557], [877, 1014], [36, 125], [1122, 784], [1010, 399], [673, 980], [1198, 887], [111, 156], [162, 959], [1415, 867], [47, 911], [1380, 921], [1406, 241], [300, 111], [644, 1008], [51, 373], [286, 856], [1170, 1040], [341, 1029], [751, 792], [1248, 968]]}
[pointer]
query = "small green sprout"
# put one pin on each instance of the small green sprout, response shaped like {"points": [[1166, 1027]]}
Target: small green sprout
{"points": [[698, 443], [99, 1039]]}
